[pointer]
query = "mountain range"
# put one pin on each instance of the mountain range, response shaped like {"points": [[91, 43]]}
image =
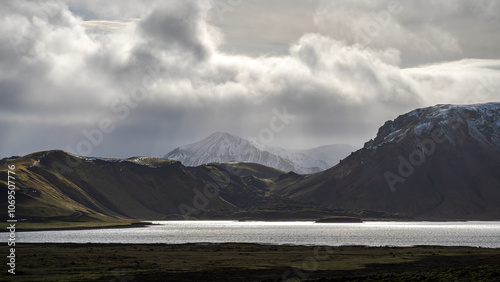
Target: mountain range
{"points": [[435, 163], [224, 147]]}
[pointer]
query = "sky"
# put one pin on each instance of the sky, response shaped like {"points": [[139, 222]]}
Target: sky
{"points": [[127, 78]]}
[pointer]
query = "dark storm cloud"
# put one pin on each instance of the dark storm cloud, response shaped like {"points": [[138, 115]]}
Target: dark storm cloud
{"points": [[156, 78]]}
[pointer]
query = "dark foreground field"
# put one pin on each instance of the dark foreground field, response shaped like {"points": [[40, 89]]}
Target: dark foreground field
{"points": [[250, 262]]}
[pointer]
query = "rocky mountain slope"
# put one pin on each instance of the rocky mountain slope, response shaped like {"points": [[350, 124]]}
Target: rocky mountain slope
{"points": [[224, 147], [439, 162]]}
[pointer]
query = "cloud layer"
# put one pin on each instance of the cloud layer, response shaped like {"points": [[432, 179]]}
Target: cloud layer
{"points": [[140, 79]]}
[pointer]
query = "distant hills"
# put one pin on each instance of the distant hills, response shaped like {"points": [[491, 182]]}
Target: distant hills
{"points": [[224, 147], [434, 163]]}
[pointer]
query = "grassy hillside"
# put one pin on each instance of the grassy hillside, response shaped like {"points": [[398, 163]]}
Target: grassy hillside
{"points": [[246, 168], [48, 189]]}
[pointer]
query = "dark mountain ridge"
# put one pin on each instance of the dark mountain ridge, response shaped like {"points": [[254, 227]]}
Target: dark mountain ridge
{"points": [[439, 162]]}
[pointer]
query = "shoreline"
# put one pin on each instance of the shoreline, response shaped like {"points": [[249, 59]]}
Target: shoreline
{"points": [[316, 219], [146, 223], [68, 244], [131, 225]]}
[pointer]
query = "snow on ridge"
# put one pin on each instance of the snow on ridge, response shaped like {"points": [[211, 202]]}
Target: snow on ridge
{"points": [[422, 128], [443, 110], [135, 160], [481, 119]]}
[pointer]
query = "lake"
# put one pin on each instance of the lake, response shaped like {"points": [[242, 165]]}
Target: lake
{"points": [[472, 233]]}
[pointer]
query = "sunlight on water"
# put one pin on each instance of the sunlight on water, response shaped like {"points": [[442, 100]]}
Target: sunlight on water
{"points": [[477, 234]]}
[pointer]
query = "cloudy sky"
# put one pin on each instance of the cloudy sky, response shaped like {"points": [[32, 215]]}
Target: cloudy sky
{"points": [[124, 78]]}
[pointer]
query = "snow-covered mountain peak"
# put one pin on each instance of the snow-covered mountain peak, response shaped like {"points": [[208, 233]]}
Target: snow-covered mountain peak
{"points": [[218, 136], [480, 121], [224, 147]]}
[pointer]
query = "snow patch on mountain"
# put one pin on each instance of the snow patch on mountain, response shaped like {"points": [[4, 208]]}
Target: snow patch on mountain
{"points": [[481, 120]]}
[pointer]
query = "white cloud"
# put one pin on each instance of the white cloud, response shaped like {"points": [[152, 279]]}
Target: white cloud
{"points": [[427, 31]]}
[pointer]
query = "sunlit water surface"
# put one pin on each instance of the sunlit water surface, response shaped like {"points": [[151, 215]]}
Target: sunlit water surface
{"points": [[477, 234]]}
